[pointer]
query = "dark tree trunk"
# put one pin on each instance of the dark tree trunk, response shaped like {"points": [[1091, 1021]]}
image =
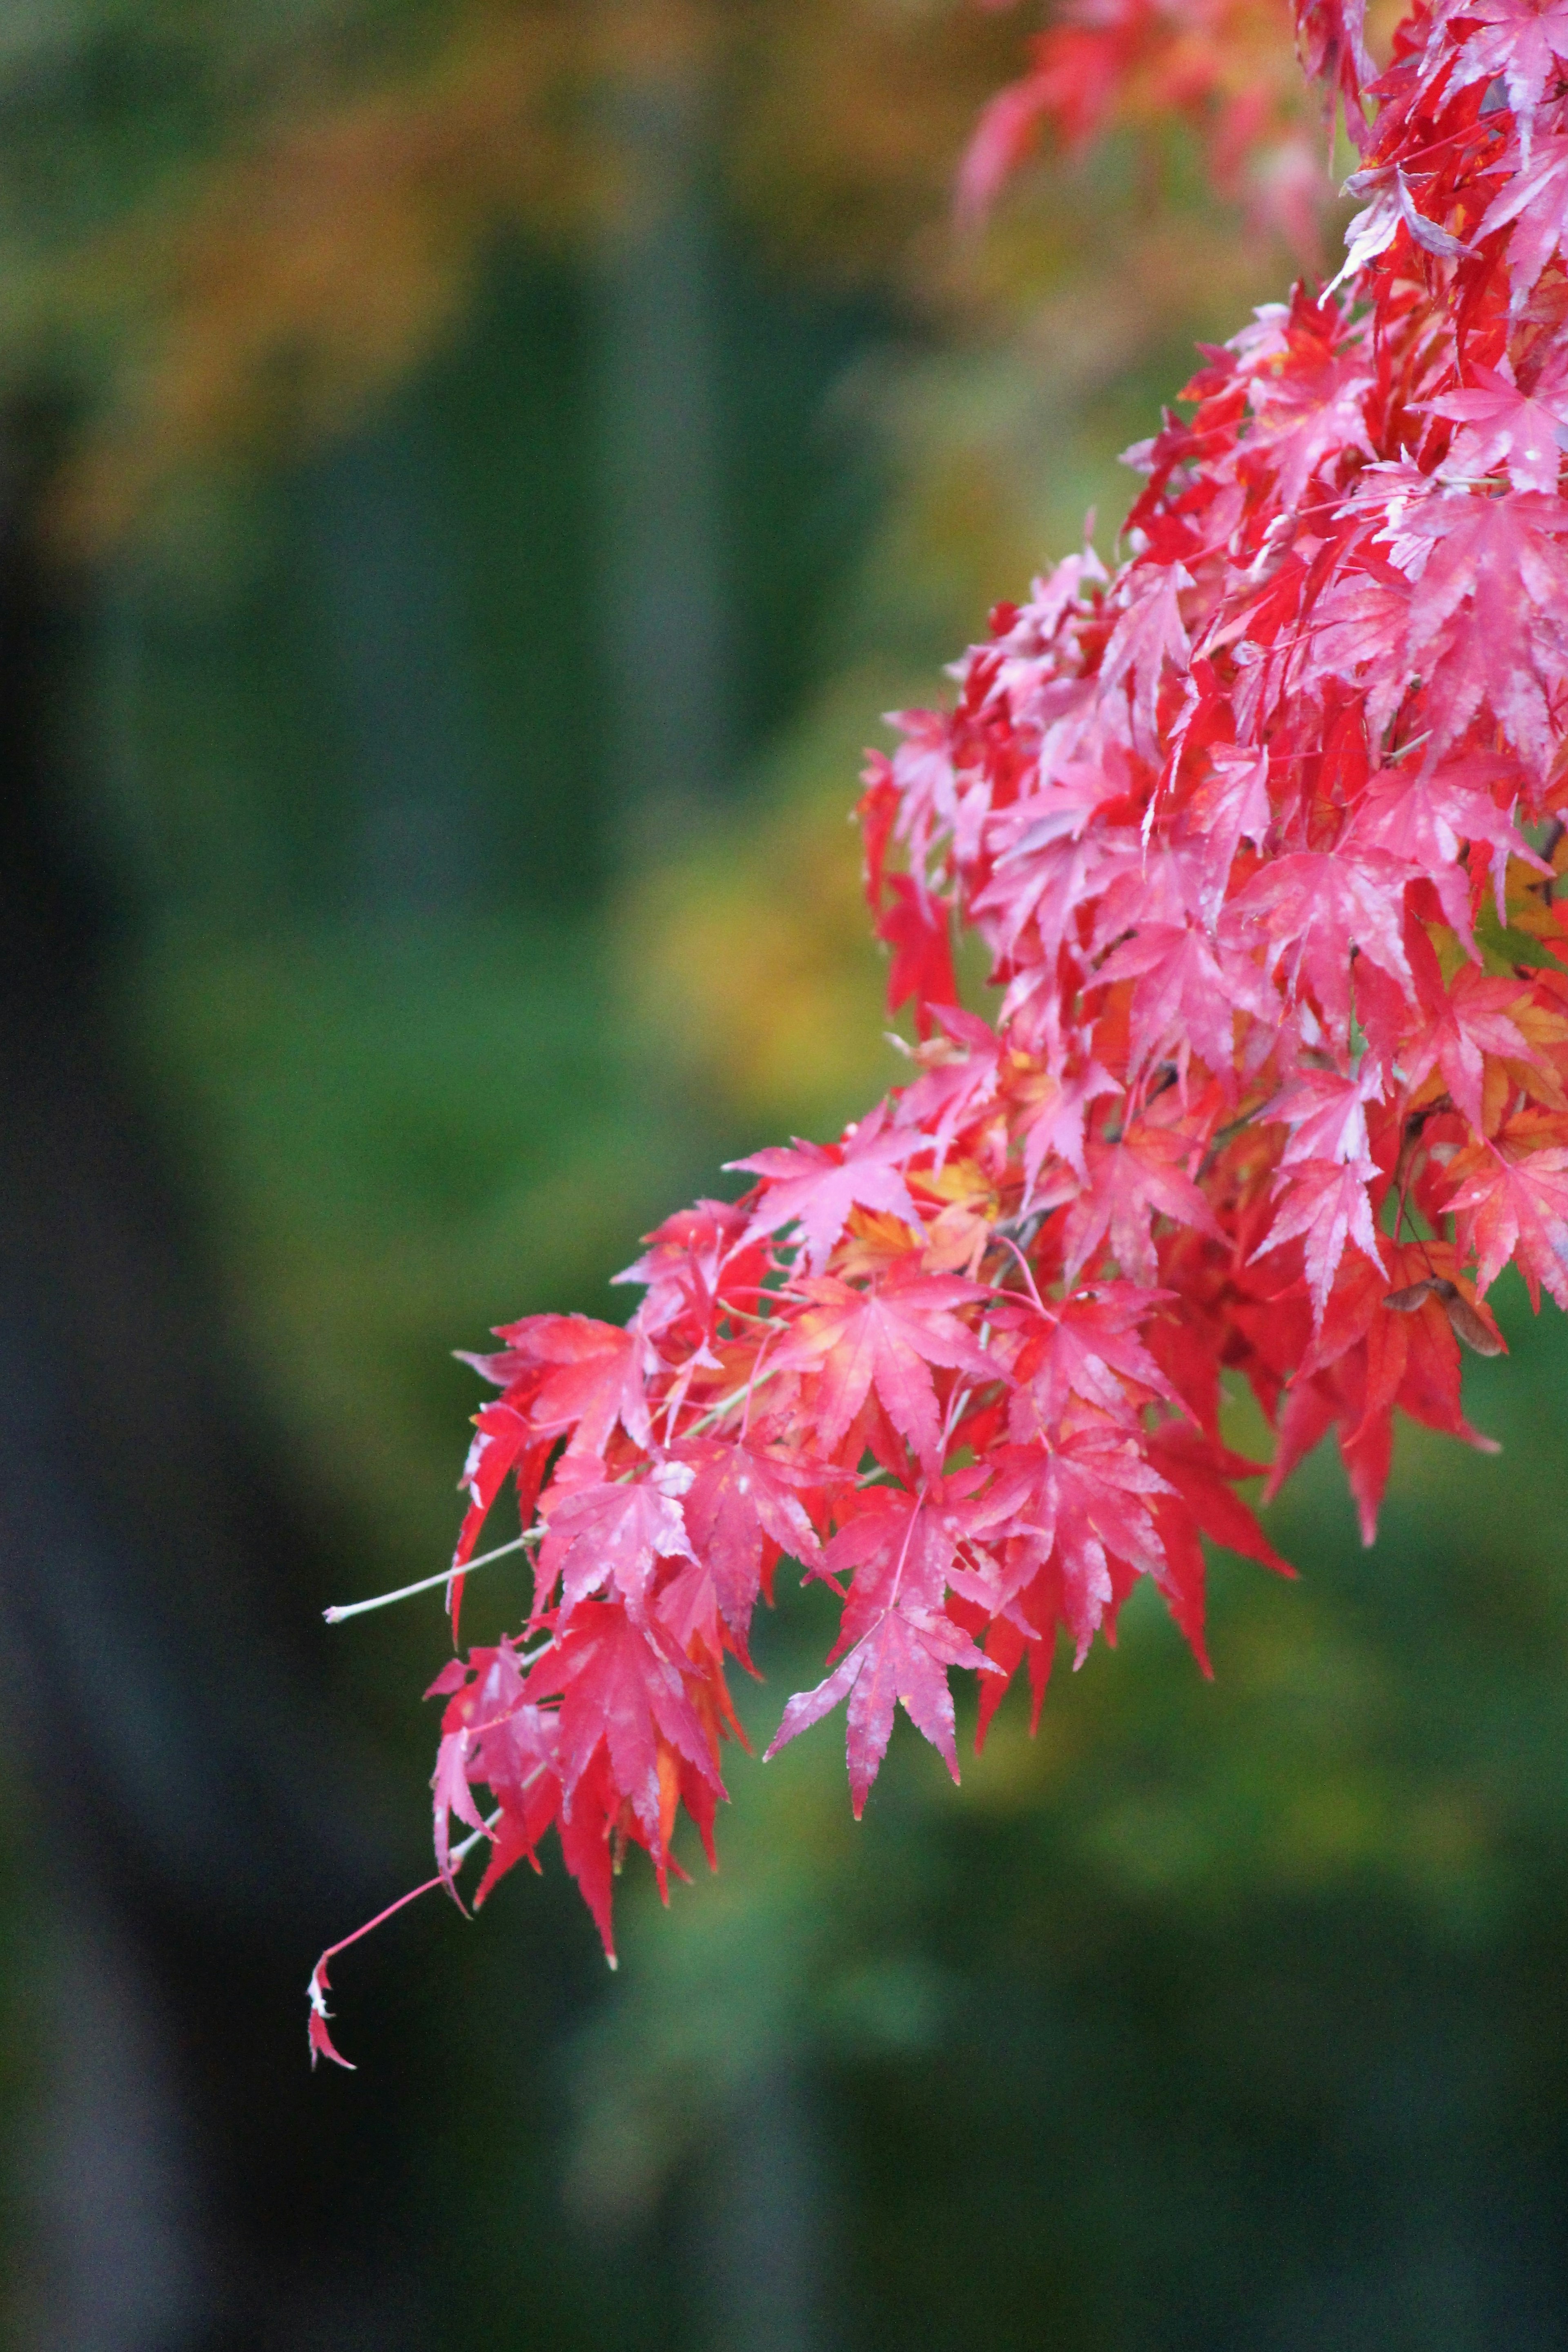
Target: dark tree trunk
{"points": [[191, 1809]]}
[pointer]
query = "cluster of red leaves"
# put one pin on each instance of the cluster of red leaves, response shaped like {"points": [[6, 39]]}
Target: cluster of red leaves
{"points": [[1259, 833]]}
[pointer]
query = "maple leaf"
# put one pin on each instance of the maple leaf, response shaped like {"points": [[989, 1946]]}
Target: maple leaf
{"points": [[500, 1435], [1229, 805], [1089, 1346], [817, 1188], [1077, 70], [959, 1072], [613, 1534], [1532, 201], [1052, 858], [1005, 134], [916, 927], [888, 1337], [1314, 907], [1489, 586], [1422, 814], [1512, 1202], [1326, 1112], [1505, 426], [923, 776], [1186, 999], [1519, 41], [516, 1760], [900, 1643], [1084, 1496], [1325, 1204], [741, 1500], [623, 1701], [902, 1661], [1056, 1123], [1330, 33], [586, 1378], [1149, 635], [1131, 1181], [319, 2025], [1465, 1020], [1309, 415], [1202, 1474], [694, 1264], [491, 1734]]}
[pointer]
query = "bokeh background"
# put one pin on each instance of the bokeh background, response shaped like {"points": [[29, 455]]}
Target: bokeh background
{"points": [[472, 476]]}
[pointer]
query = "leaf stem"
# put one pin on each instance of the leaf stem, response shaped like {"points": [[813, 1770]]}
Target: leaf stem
{"points": [[340, 1610]]}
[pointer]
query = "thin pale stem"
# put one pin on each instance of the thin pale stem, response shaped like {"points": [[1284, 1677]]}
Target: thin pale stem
{"points": [[340, 1610]]}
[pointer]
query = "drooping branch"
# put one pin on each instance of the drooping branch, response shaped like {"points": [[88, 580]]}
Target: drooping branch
{"points": [[1276, 1082]]}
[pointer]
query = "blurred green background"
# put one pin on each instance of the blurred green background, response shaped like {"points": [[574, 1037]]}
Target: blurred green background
{"points": [[501, 461]]}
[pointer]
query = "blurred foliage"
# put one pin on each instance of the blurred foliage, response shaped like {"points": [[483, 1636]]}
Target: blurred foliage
{"points": [[229, 232], [225, 230]]}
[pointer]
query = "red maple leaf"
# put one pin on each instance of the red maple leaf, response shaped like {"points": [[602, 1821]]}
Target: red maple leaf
{"points": [[500, 1435], [1533, 200], [1228, 805], [623, 1701], [612, 1535], [1504, 427], [1519, 41], [1052, 855], [899, 1643], [1186, 999], [491, 1734], [917, 926], [816, 1187], [959, 1071], [1326, 1112], [1089, 1346], [743, 1508], [1325, 1204], [1130, 1182], [1423, 814], [575, 1377], [1489, 587], [1464, 1021], [1313, 908], [902, 1661], [1085, 1498], [1149, 637], [887, 1336], [1310, 414], [1512, 1202], [1056, 1125]]}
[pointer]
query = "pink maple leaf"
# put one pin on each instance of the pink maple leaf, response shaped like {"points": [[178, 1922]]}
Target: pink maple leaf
{"points": [[899, 1643], [1465, 1019], [1533, 200], [742, 1499], [1505, 426], [1130, 1182], [1312, 908], [1325, 1204], [888, 1337], [1513, 1203], [816, 1186], [612, 1535]]}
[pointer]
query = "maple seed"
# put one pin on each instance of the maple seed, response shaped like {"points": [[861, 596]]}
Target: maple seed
{"points": [[1472, 1329]]}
